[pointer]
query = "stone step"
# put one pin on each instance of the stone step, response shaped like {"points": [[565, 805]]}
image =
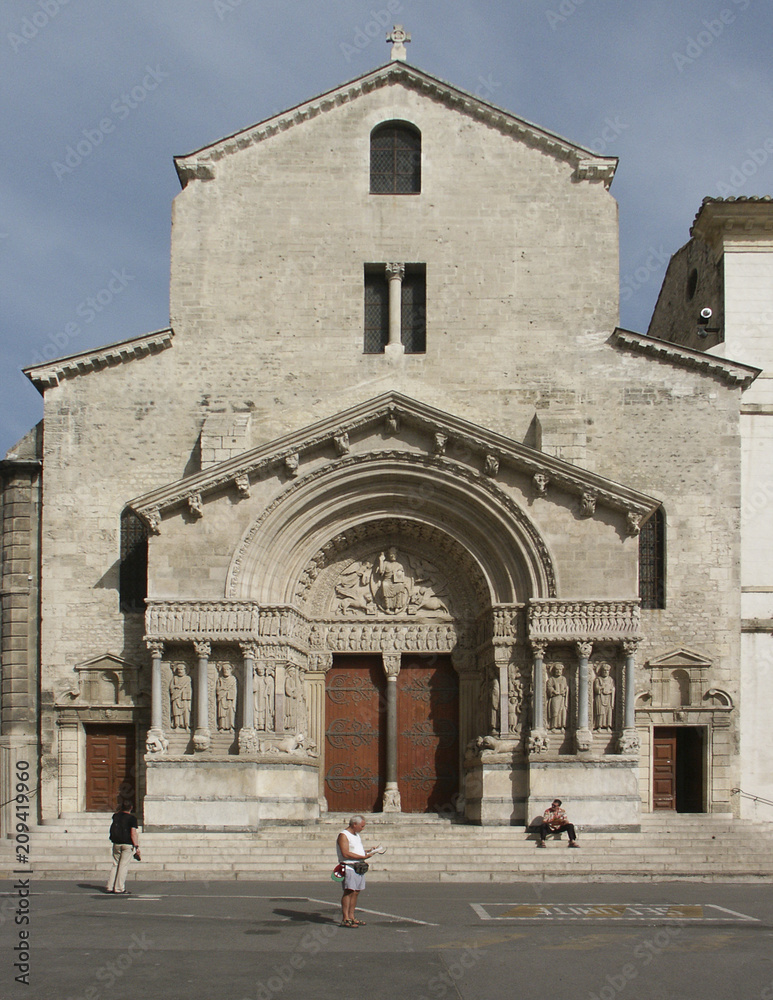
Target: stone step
{"points": [[704, 848]]}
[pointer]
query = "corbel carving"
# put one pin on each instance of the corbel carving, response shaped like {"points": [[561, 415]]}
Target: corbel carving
{"points": [[588, 504], [632, 523], [439, 443], [491, 466], [341, 443], [242, 484], [153, 517], [292, 461], [540, 483], [195, 505]]}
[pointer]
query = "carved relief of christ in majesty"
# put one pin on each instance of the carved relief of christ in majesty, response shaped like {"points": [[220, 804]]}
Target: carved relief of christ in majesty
{"points": [[390, 572]]}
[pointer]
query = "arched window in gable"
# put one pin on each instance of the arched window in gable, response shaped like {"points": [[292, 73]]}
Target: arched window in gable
{"points": [[652, 561], [395, 159], [133, 572]]}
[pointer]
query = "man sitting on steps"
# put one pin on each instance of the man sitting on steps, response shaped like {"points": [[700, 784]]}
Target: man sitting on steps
{"points": [[554, 821]]}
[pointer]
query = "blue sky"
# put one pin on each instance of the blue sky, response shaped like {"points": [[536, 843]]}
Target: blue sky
{"points": [[681, 92]]}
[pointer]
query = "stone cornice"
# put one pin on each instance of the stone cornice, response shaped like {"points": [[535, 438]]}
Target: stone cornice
{"points": [[735, 218], [730, 372], [52, 373], [473, 444], [199, 165]]}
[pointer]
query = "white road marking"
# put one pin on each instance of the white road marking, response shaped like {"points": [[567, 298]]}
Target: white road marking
{"points": [[377, 913]]}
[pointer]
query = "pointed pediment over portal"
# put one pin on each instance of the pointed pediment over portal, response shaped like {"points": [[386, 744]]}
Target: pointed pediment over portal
{"points": [[393, 424]]}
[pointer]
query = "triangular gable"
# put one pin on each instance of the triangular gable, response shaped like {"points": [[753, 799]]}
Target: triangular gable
{"points": [[587, 164], [680, 657], [393, 414]]}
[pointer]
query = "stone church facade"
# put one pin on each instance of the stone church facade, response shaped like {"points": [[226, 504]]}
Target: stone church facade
{"points": [[393, 516]]}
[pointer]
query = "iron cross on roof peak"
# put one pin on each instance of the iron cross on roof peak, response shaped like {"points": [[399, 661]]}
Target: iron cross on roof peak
{"points": [[398, 37]]}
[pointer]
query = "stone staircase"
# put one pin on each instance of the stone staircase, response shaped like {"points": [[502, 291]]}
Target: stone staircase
{"points": [[422, 848]]}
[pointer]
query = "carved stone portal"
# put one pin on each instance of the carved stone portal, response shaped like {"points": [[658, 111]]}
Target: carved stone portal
{"points": [[392, 584]]}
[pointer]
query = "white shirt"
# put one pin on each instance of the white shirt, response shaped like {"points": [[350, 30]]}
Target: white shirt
{"points": [[355, 847]]}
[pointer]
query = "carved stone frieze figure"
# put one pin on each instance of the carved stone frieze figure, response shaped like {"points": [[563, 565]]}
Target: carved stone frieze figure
{"points": [[557, 697], [180, 697], [264, 697], [603, 697], [225, 697], [295, 705], [489, 702], [514, 697]]}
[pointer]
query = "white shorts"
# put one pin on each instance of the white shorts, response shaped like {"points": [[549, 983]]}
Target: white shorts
{"points": [[352, 880]]}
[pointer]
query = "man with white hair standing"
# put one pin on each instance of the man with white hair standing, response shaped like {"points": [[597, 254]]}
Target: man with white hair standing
{"points": [[353, 856]]}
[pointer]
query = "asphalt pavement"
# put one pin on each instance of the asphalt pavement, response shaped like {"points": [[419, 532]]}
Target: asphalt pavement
{"points": [[245, 940]]}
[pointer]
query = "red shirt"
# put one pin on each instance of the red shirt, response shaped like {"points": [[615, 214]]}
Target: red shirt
{"points": [[554, 817]]}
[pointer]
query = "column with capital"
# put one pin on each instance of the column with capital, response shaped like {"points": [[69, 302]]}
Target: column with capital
{"points": [[201, 737], [391, 662], [156, 740], [538, 737], [317, 667], [629, 739], [583, 737], [395, 274], [247, 734]]}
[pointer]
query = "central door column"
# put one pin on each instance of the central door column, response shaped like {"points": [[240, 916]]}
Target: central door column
{"points": [[391, 663], [583, 736]]}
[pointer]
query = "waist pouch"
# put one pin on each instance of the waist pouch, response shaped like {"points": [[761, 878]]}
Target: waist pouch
{"points": [[360, 867]]}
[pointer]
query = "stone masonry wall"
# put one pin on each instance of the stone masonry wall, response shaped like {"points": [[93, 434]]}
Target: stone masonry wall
{"points": [[267, 309]]}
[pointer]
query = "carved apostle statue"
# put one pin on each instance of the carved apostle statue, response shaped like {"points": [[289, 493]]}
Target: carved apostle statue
{"points": [[557, 691], [180, 697], [514, 697], [603, 697], [295, 706], [264, 697], [225, 696]]}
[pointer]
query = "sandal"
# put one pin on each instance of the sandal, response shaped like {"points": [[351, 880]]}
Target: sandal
{"points": [[359, 923], [348, 923]]}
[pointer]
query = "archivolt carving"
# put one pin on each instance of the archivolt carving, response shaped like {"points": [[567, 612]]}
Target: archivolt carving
{"points": [[535, 548]]}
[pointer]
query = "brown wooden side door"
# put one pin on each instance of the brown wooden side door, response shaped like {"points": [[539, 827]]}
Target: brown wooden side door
{"points": [[427, 733], [664, 768], [355, 734], [110, 766]]}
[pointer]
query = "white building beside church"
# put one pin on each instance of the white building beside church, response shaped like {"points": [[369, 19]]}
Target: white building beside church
{"points": [[393, 516]]}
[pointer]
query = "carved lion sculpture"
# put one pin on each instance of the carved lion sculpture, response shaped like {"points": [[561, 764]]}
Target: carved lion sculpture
{"points": [[156, 744], [288, 744]]}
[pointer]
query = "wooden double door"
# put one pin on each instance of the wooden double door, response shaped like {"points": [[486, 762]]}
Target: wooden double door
{"points": [[110, 766], [427, 747]]}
